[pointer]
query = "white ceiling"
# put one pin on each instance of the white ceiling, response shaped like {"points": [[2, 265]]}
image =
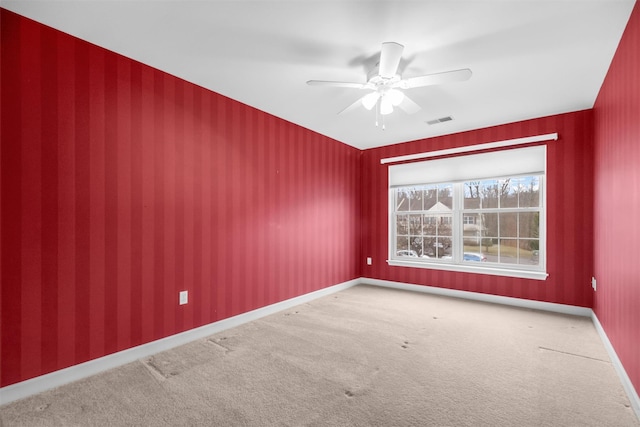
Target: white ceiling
{"points": [[530, 58]]}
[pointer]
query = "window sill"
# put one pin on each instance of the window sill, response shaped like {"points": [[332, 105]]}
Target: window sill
{"points": [[466, 268]]}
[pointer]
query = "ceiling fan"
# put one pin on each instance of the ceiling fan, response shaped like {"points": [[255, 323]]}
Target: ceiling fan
{"points": [[387, 86]]}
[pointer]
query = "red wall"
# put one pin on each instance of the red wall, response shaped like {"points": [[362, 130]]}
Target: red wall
{"points": [[569, 213], [122, 185], [617, 200]]}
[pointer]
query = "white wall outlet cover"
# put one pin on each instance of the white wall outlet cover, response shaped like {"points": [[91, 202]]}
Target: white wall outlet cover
{"points": [[368, 260], [184, 297]]}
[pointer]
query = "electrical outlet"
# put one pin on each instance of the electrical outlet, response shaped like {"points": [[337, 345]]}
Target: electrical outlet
{"points": [[368, 260], [184, 297], [593, 283]]}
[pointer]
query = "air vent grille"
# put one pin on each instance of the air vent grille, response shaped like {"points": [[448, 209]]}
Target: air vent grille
{"points": [[440, 120]]}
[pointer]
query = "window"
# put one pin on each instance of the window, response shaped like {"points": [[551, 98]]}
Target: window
{"points": [[479, 213], [469, 219]]}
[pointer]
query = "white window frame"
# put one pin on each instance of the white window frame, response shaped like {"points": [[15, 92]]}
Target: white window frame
{"points": [[537, 272]]}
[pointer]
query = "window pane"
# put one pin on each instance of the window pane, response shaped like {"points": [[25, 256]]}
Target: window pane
{"points": [[402, 200], [508, 193], [489, 193], [416, 200], [428, 246], [444, 226], [529, 194], [508, 224], [529, 224], [508, 251], [402, 225], [472, 229], [437, 247], [489, 250], [440, 208], [402, 244], [445, 195], [529, 252], [443, 247], [430, 197], [472, 195], [415, 225], [489, 224], [429, 225], [416, 245]]}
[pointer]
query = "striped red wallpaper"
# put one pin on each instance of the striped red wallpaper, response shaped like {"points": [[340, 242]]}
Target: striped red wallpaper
{"points": [[569, 213], [617, 200], [122, 185]]}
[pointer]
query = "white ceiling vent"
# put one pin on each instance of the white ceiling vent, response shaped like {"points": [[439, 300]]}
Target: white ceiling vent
{"points": [[440, 120]]}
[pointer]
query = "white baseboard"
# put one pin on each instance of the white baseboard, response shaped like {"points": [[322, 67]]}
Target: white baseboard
{"points": [[83, 370], [632, 394], [496, 299]]}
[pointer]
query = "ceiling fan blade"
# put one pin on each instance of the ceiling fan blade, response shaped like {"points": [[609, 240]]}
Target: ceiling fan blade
{"points": [[339, 84], [435, 79], [408, 105], [390, 59], [352, 107]]}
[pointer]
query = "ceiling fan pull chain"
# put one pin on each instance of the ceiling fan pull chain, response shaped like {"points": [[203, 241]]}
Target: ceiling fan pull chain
{"points": [[379, 115]]}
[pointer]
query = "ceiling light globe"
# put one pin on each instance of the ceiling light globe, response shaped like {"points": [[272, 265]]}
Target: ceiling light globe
{"points": [[370, 100], [395, 96], [385, 106]]}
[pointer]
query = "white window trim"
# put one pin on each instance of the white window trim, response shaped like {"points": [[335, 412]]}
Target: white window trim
{"points": [[464, 268], [537, 274], [471, 148]]}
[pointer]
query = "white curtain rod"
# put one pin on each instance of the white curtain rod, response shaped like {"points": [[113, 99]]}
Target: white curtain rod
{"points": [[470, 148]]}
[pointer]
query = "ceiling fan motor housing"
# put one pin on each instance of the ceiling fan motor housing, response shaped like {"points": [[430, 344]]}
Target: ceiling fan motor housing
{"points": [[377, 80]]}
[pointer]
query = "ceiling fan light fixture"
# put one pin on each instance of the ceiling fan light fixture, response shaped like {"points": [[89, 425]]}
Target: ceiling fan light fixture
{"points": [[369, 101], [386, 107], [395, 96]]}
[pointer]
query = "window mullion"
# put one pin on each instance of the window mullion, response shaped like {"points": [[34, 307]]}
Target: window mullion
{"points": [[457, 218]]}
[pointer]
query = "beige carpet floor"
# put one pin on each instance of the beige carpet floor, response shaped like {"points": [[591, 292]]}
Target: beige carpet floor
{"points": [[367, 356]]}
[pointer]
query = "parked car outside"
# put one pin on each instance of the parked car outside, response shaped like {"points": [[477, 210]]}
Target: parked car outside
{"points": [[409, 253], [474, 256]]}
